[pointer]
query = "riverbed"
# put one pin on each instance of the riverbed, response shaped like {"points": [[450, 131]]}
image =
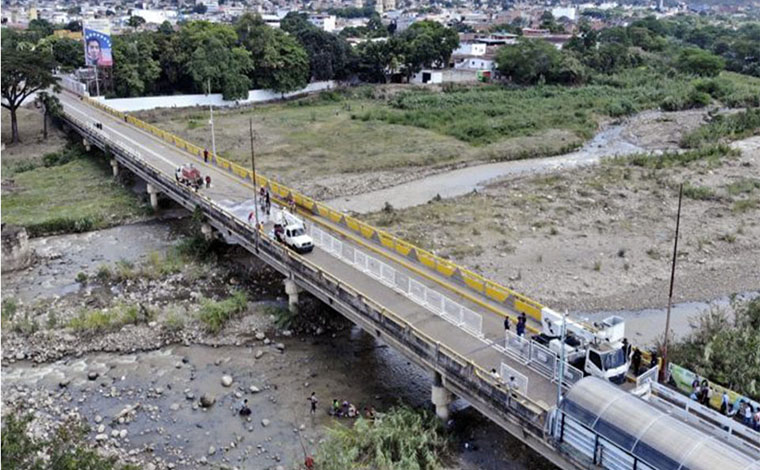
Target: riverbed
{"points": [[164, 385]]}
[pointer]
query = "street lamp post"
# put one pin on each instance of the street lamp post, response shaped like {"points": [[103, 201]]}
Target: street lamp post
{"points": [[211, 121], [253, 181]]}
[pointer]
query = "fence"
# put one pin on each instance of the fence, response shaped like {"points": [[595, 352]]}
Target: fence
{"points": [[540, 358], [520, 382], [183, 101], [432, 300], [648, 376]]}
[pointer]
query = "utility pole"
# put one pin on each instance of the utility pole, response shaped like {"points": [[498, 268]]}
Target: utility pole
{"points": [[253, 171], [97, 83], [561, 370], [670, 296], [211, 121]]}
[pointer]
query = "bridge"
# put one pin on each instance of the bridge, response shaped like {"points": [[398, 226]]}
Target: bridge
{"points": [[443, 317]]}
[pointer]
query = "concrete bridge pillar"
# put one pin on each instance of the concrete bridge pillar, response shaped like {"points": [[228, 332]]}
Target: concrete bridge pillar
{"points": [[115, 167], [86, 144], [208, 231], [153, 193], [441, 397], [292, 289]]}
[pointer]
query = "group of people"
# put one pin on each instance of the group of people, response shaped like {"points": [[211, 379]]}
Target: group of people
{"points": [[348, 410], [522, 321]]}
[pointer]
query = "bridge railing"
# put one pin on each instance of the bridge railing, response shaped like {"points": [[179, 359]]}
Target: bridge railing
{"points": [[474, 378], [540, 359], [440, 304], [466, 282]]}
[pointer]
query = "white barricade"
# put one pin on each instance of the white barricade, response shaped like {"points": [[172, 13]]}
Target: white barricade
{"points": [[517, 347], [472, 321], [544, 359], [520, 382], [401, 281], [648, 376], [439, 304], [348, 253], [434, 300], [373, 267], [452, 311], [570, 374]]}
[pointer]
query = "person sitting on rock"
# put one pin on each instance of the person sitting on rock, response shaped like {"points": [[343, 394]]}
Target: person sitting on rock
{"points": [[352, 413], [335, 410], [244, 410]]}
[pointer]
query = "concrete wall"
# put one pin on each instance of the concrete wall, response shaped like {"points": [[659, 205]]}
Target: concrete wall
{"points": [[183, 101]]}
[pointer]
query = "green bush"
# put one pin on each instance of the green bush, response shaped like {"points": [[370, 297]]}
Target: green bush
{"points": [[723, 347], [718, 88], [64, 448], [710, 153], [10, 307], [216, 314], [398, 440], [729, 127], [700, 193]]}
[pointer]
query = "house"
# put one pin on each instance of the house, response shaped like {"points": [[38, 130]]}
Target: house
{"points": [[428, 76], [470, 49], [475, 63], [323, 22]]}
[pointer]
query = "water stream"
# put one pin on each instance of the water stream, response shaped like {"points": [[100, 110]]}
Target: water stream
{"points": [[607, 142]]}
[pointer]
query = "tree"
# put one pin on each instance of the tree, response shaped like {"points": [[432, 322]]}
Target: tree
{"points": [[699, 62], [373, 61], [200, 8], [40, 29], [67, 52], [221, 67], [430, 44], [135, 21], [330, 55], [528, 61], [280, 63], [135, 70], [51, 107], [166, 28], [24, 71], [74, 25]]}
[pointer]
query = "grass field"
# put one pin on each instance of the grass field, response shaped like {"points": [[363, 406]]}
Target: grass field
{"points": [[77, 196], [399, 127]]}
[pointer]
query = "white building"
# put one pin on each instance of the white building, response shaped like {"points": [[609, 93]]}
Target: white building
{"points": [[476, 63], [324, 22], [470, 48], [156, 16], [568, 12], [271, 20], [428, 76]]}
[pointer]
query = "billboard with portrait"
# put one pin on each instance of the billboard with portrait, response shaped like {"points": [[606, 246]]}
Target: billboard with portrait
{"points": [[97, 44]]}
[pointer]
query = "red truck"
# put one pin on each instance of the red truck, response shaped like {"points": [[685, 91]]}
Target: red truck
{"points": [[188, 175]]}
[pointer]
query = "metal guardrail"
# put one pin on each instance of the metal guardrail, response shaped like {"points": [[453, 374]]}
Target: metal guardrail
{"points": [[540, 359], [691, 411], [439, 356], [436, 302]]}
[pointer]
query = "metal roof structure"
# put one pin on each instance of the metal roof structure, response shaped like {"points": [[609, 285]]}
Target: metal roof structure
{"points": [[646, 432]]}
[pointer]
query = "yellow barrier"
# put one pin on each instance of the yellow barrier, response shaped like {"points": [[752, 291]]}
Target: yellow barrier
{"points": [[428, 259], [386, 240]]}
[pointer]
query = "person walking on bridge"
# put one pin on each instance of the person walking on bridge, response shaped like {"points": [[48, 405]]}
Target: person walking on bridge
{"points": [[205, 155]]}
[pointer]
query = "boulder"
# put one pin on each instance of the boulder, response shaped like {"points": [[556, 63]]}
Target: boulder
{"points": [[227, 380], [207, 400]]}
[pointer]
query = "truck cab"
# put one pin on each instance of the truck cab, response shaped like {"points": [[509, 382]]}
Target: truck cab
{"points": [[289, 229], [596, 349]]}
